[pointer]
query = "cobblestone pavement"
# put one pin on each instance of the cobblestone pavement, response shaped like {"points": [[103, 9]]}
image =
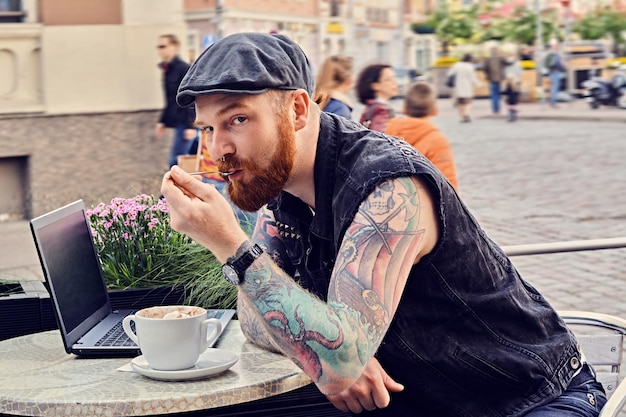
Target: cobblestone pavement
{"points": [[554, 175], [545, 179]]}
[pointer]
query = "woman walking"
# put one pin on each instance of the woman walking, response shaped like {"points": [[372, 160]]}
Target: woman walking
{"points": [[465, 81], [376, 85], [513, 85]]}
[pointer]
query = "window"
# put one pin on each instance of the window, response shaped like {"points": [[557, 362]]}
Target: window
{"points": [[11, 11]]}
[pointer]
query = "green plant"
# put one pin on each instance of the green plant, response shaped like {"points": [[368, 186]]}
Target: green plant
{"points": [[461, 25], [138, 249], [602, 23]]}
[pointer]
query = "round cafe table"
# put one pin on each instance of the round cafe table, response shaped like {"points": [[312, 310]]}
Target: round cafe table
{"points": [[38, 378]]}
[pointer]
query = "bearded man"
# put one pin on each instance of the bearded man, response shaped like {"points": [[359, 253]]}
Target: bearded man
{"points": [[365, 268]]}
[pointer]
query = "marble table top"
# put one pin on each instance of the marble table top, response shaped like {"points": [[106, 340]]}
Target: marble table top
{"points": [[38, 378]]}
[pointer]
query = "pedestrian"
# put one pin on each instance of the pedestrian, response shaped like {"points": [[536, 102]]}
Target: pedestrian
{"points": [[173, 116], [493, 67], [375, 86], [334, 82], [420, 104], [365, 268], [554, 67], [513, 85], [526, 53], [465, 81]]}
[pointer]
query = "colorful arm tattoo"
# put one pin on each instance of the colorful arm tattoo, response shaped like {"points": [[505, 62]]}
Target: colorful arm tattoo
{"points": [[332, 342]]}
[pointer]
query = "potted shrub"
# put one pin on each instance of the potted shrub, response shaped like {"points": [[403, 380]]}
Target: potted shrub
{"points": [[139, 250]]}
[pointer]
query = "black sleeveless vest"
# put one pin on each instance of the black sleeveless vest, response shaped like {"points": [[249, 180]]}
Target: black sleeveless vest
{"points": [[470, 337]]}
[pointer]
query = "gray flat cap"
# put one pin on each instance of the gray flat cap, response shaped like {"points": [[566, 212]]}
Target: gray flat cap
{"points": [[247, 63]]}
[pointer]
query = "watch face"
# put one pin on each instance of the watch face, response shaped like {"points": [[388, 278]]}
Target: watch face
{"points": [[230, 274]]}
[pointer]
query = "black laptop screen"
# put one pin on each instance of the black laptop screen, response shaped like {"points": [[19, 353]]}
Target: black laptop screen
{"points": [[73, 268]]}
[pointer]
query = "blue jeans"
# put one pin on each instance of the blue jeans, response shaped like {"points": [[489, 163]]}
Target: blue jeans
{"points": [[180, 146], [494, 93], [555, 86], [584, 397]]}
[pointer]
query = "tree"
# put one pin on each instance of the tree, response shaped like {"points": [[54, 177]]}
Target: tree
{"points": [[430, 25], [602, 23], [522, 26], [459, 25]]}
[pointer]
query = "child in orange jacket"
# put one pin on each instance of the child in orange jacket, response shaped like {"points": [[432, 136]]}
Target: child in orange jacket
{"points": [[416, 128]]}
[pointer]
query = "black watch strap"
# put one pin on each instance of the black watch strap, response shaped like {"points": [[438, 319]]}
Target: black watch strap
{"points": [[235, 267]]}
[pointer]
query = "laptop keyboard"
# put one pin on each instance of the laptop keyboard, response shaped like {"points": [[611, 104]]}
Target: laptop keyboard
{"points": [[116, 337]]}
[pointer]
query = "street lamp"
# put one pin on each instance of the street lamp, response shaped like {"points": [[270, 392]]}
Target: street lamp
{"points": [[568, 18], [219, 17], [538, 47]]}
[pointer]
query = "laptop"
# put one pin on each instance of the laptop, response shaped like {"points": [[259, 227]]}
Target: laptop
{"points": [[73, 277]]}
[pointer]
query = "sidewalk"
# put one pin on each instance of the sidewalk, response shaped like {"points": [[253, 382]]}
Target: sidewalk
{"points": [[18, 256], [578, 110]]}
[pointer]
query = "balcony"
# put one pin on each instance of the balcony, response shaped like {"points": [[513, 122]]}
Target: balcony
{"points": [[20, 60]]}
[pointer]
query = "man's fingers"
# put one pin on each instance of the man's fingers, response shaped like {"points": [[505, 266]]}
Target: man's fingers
{"points": [[189, 184], [339, 403], [381, 398], [354, 405], [392, 385]]}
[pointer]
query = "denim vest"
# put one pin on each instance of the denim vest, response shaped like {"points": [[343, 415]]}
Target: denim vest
{"points": [[470, 337]]}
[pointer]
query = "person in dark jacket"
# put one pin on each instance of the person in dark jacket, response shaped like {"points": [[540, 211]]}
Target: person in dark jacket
{"points": [[494, 66], [173, 116], [365, 267]]}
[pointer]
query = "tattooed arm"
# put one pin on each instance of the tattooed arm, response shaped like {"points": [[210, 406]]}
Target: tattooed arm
{"points": [[265, 234], [334, 342]]}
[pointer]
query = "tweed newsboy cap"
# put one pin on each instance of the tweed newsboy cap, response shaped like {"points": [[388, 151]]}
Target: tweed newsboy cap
{"points": [[247, 63]]}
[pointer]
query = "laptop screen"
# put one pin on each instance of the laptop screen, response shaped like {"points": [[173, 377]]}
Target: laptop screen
{"points": [[72, 265]]}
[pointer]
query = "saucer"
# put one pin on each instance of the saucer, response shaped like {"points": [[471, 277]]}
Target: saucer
{"points": [[211, 362]]}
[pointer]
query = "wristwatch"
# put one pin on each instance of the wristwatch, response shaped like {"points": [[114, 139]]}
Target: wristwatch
{"points": [[235, 267]]}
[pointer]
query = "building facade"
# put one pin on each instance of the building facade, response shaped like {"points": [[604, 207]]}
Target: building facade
{"points": [[80, 91], [366, 30], [80, 95]]}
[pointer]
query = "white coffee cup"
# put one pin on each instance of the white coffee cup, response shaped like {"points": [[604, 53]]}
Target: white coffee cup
{"points": [[171, 338]]}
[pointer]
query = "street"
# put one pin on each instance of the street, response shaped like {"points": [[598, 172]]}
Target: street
{"points": [[539, 181]]}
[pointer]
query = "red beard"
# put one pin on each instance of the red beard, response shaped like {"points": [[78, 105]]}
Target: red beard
{"points": [[266, 183]]}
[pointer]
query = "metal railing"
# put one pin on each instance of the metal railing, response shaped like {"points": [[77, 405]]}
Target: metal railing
{"points": [[566, 246]]}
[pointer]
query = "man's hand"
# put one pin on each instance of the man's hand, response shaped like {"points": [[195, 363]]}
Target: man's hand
{"points": [[159, 130], [369, 392], [201, 212]]}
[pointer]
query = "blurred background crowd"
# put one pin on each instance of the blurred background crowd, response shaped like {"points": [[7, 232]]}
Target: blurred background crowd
{"points": [[82, 81]]}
